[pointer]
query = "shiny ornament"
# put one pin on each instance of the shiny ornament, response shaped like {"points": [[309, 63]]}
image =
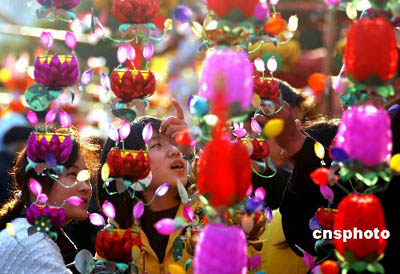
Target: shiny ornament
{"points": [[132, 84], [365, 134], [273, 127], [326, 217], [135, 11], [227, 74], [371, 50], [214, 243], [130, 164], [316, 81], [363, 212], [395, 163], [116, 244], [230, 163]]}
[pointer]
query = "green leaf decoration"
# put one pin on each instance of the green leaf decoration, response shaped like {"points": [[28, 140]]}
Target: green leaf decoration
{"points": [[372, 268], [71, 14], [385, 91], [37, 97], [124, 27], [345, 174], [121, 267], [187, 264], [125, 114], [359, 266], [370, 178], [151, 26]]}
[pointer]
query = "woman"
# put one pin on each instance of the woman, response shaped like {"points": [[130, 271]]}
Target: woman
{"points": [[26, 252], [167, 166]]}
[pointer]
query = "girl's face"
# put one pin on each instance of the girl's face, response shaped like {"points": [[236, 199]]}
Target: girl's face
{"points": [[166, 162], [83, 190]]}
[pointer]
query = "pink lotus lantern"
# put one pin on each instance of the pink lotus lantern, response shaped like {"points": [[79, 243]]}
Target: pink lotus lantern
{"points": [[221, 249], [228, 72], [365, 134]]}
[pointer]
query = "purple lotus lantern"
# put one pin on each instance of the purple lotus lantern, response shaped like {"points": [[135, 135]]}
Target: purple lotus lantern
{"points": [[214, 243], [49, 147], [230, 72], [56, 71], [365, 134], [60, 4], [45, 217]]}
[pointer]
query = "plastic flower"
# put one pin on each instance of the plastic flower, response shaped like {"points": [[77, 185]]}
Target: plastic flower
{"points": [[116, 244], [224, 172], [214, 243], [133, 165], [267, 89], [132, 84], [36, 215], [229, 73], [365, 213], [60, 4], [371, 50], [56, 71], [235, 10], [365, 134], [135, 11], [40, 146]]}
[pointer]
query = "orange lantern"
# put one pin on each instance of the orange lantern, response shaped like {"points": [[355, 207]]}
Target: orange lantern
{"points": [[275, 25]]}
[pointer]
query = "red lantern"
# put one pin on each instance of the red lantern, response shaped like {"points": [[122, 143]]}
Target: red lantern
{"points": [[223, 7], [260, 149], [316, 81], [275, 25], [363, 212], [320, 176], [116, 244], [371, 50], [135, 11], [267, 89], [326, 217], [224, 172], [130, 164], [132, 84], [329, 267]]}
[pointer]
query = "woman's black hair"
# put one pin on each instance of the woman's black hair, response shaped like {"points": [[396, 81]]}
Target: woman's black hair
{"points": [[122, 202]]}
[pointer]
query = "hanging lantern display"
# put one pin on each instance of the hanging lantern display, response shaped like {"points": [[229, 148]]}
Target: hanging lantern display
{"points": [[57, 8], [370, 59], [363, 144], [226, 80], [234, 177], [53, 73], [135, 11], [365, 213], [213, 243]]}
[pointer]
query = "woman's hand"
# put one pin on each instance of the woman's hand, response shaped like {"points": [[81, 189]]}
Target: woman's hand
{"points": [[291, 138], [172, 126]]}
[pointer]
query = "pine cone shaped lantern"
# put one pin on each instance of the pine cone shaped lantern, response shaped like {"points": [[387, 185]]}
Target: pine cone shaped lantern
{"points": [[135, 11], [221, 249], [363, 212], [370, 52], [365, 134], [224, 172]]}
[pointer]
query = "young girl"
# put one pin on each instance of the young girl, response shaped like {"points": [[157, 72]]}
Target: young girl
{"points": [[167, 166], [23, 252]]}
